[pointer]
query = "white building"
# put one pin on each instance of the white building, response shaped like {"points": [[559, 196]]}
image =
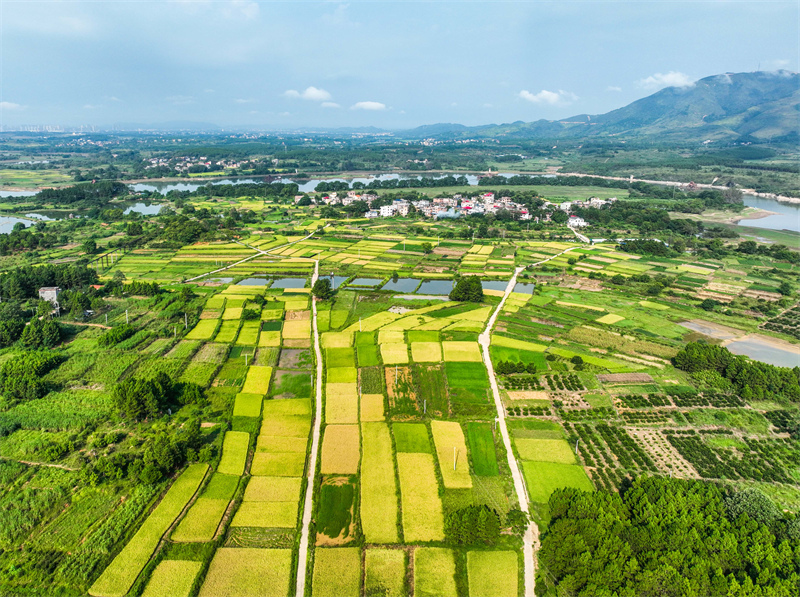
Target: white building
{"points": [[387, 211], [576, 222]]}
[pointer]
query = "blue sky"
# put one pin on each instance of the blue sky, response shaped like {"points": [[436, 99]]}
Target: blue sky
{"points": [[387, 64]]}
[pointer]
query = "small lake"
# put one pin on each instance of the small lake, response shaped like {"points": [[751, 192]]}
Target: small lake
{"points": [[17, 193], [289, 283], [494, 284], [146, 209], [436, 287], [7, 223], [370, 282], [786, 218], [402, 285], [41, 217], [764, 350], [253, 282], [524, 287]]}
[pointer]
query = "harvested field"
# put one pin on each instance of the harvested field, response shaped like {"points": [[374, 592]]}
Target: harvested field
{"points": [[624, 378]]}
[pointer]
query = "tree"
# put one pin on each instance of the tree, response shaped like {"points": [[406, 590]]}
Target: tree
{"points": [[467, 289], [785, 288], [322, 289], [89, 247], [41, 333], [427, 248], [754, 504], [134, 229]]}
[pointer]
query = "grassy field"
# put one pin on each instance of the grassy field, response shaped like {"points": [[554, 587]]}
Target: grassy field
{"points": [[247, 405], [426, 352], [545, 450], [462, 351], [378, 486], [543, 478], [482, 449], [120, 575], [335, 508], [248, 572], [203, 518], [257, 380], [492, 573], [411, 437]]}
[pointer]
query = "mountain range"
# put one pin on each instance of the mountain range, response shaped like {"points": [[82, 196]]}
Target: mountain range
{"points": [[754, 106]]}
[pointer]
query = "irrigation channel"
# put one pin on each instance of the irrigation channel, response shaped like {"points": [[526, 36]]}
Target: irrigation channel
{"points": [[302, 554]]}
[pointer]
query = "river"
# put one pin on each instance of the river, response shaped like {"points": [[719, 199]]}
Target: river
{"points": [[787, 215]]}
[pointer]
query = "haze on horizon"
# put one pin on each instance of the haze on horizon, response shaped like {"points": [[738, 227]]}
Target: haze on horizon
{"points": [[386, 64]]}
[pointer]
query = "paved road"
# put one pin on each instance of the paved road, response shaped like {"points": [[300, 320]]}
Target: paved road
{"points": [[302, 556], [531, 538]]}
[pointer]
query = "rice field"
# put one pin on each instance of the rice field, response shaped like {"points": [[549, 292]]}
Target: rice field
{"points": [[340, 450], [385, 572], [451, 451], [234, 453], [419, 490], [379, 510], [462, 351], [117, 579], [493, 573], [172, 578], [434, 572], [257, 380], [248, 572], [337, 572]]}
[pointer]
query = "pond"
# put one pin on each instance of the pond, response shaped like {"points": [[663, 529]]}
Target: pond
{"points": [[254, 282], [17, 193], [787, 216], [494, 284], [524, 287], [766, 350], [436, 287], [337, 281], [7, 223], [402, 285], [289, 283], [146, 209], [371, 282]]}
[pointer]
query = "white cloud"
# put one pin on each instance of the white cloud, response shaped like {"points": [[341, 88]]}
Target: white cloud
{"points": [[10, 106], [373, 106], [311, 93], [180, 100], [613, 88], [91, 107], [552, 98], [330, 105], [244, 7], [243, 101], [661, 80], [112, 98]]}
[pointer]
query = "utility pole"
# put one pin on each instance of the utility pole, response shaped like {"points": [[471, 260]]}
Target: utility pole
{"points": [[576, 445], [455, 457], [185, 321], [126, 316]]}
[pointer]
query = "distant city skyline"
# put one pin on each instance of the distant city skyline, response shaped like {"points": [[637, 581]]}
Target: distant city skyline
{"points": [[392, 65]]}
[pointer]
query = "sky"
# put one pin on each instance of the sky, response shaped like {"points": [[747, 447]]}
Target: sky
{"points": [[395, 65]]}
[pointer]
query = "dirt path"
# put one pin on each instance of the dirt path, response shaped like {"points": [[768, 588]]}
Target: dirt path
{"points": [[48, 464], [531, 538], [302, 554]]}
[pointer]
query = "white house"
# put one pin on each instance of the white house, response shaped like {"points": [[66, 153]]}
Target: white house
{"points": [[387, 211], [576, 222]]}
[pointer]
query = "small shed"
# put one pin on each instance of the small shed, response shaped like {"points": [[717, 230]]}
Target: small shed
{"points": [[50, 293]]}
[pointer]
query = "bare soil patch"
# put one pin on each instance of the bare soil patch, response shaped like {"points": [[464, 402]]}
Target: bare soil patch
{"points": [[625, 378], [297, 342], [298, 315]]}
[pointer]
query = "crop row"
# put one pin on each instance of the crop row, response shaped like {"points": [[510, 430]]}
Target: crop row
{"points": [[523, 382], [585, 414], [713, 399], [564, 382], [644, 401], [529, 411]]}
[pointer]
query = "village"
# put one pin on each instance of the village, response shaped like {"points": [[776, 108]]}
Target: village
{"points": [[459, 206]]}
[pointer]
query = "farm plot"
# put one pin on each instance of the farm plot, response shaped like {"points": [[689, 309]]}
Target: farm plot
{"points": [[378, 485], [227, 331], [248, 334], [434, 572], [247, 405], [173, 578], [451, 451], [296, 329], [341, 403], [337, 572], [257, 380], [340, 450], [543, 478], [482, 449], [234, 453], [202, 520], [394, 353], [334, 517], [411, 437], [426, 352], [204, 330], [545, 450], [462, 351], [117, 579], [492, 573], [372, 407], [291, 384], [385, 572], [266, 515], [248, 572], [422, 508]]}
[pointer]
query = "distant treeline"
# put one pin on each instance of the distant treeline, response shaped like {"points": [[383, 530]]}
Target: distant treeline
{"points": [[24, 282], [85, 193], [424, 182], [256, 189]]}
